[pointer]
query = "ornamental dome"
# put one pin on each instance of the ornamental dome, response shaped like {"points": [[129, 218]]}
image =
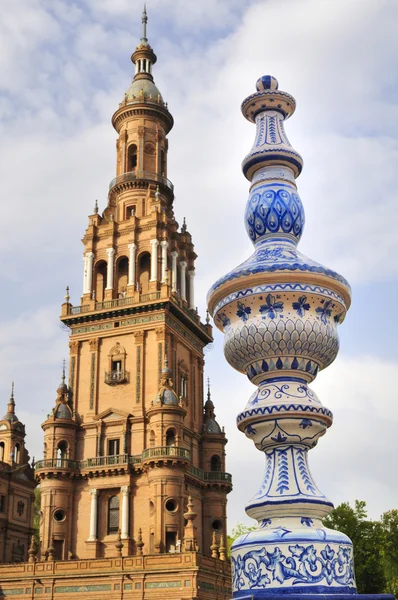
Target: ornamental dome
{"points": [[210, 424], [10, 415], [143, 89], [62, 411], [166, 395]]}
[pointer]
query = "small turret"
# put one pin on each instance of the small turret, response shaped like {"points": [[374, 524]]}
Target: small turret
{"points": [[210, 424], [10, 415]]}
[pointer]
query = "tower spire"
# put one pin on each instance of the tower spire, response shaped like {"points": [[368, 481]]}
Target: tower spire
{"points": [[144, 39], [11, 402]]}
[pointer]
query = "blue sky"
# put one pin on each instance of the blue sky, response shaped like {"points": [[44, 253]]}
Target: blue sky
{"points": [[64, 67]]}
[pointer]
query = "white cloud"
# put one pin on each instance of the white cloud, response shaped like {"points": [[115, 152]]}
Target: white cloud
{"points": [[63, 70]]}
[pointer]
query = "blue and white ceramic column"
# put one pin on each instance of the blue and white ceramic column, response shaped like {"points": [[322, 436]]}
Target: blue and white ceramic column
{"points": [[279, 311]]}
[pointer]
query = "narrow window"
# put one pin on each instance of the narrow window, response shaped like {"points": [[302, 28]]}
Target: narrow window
{"points": [[132, 157], [113, 514], [113, 447], [2, 503], [170, 438], [171, 541], [215, 463], [2, 451]]}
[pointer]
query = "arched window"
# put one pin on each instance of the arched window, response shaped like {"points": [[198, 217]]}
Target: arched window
{"points": [[17, 453], [113, 514], [162, 163], [152, 439], [100, 280], [62, 453], [170, 438], [2, 451], [215, 463], [122, 270], [132, 157], [144, 271]]}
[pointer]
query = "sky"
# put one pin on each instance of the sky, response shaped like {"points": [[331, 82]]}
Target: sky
{"points": [[64, 67]]}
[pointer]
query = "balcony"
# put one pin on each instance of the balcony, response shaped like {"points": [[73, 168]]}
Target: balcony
{"points": [[115, 303], [105, 461], [57, 463], [115, 377], [166, 452], [211, 476], [137, 175]]}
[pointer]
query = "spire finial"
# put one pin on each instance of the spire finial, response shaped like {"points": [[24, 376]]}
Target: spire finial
{"points": [[67, 296], [12, 390], [144, 22], [63, 371], [184, 226], [96, 207], [208, 388]]}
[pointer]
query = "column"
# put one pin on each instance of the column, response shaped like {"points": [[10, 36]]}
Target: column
{"points": [[85, 274], [191, 275], [154, 260], [183, 287], [174, 256], [109, 276], [132, 249], [89, 269], [164, 246], [93, 515], [125, 512]]}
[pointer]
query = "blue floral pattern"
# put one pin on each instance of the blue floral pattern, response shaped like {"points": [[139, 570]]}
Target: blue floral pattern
{"points": [[301, 564], [301, 306], [272, 307], [243, 311], [324, 311]]}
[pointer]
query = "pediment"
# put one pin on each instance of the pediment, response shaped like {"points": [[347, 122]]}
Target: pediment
{"points": [[112, 414]]}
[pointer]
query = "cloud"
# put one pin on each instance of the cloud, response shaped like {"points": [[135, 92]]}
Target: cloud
{"points": [[352, 461], [63, 69]]}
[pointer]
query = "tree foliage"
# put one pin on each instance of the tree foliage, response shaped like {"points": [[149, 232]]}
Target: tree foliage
{"points": [[375, 546]]}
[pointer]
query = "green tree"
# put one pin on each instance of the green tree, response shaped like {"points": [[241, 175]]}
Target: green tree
{"points": [[36, 518], [389, 524], [368, 540], [237, 531]]}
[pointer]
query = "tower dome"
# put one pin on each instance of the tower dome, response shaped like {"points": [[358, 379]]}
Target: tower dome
{"points": [[10, 415]]}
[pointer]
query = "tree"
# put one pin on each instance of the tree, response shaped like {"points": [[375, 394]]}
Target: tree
{"points": [[237, 531], [36, 518], [368, 542], [389, 524]]}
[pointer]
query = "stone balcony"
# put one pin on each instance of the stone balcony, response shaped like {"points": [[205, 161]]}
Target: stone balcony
{"points": [[134, 176]]}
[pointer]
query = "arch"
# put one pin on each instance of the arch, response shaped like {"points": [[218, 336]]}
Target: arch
{"points": [[144, 271], [2, 450], [215, 463], [132, 157], [122, 273], [100, 279], [17, 453], [62, 451], [170, 438], [162, 163], [113, 514]]}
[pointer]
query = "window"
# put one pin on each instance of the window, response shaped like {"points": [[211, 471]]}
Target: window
{"points": [[183, 386], [113, 447], [113, 514], [62, 453], [1, 451], [215, 463], [170, 438], [58, 549], [132, 157], [171, 541], [2, 503], [17, 453]]}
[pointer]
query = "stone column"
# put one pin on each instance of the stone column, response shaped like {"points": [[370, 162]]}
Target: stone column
{"points": [[174, 256], [154, 260], [183, 287], [125, 511], [191, 275], [132, 249], [164, 246], [93, 515], [109, 276], [89, 269]]}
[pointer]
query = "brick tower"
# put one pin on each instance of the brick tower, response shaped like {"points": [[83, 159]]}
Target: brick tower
{"points": [[133, 459]]}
